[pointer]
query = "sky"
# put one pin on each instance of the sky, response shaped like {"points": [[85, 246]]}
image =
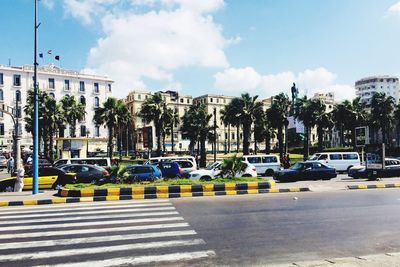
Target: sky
{"points": [[211, 46]]}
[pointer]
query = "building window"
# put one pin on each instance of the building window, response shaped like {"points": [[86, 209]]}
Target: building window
{"points": [[1, 95], [109, 87], [139, 97], [181, 100], [82, 86], [96, 131], [96, 87], [82, 100], [52, 95], [1, 128], [51, 83], [1, 79], [233, 136], [211, 100], [188, 101], [18, 112], [96, 102], [18, 95], [17, 80], [66, 85], [217, 100], [83, 130], [1, 114]]}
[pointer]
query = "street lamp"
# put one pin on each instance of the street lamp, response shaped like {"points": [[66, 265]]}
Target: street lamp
{"points": [[35, 156]]}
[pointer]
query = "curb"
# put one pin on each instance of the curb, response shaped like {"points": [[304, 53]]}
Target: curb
{"points": [[373, 186], [63, 200], [165, 190]]}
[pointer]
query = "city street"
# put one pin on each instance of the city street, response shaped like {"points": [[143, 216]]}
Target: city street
{"points": [[225, 231]]}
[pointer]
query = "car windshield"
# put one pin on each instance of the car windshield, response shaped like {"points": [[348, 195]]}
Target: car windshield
{"points": [[297, 166], [212, 166], [314, 157]]}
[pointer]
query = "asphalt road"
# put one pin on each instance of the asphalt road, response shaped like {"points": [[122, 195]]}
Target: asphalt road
{"points": [[266, 229]]}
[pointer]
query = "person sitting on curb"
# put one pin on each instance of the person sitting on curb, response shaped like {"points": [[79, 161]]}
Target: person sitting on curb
{"points": [[19, 180]]}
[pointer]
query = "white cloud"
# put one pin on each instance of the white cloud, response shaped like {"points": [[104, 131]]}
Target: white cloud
{"points": [[308, 81], [49, 4], [394, 9], [152, 45]]}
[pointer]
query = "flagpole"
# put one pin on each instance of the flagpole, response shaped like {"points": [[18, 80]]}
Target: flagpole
{"points": [[35, 158]]}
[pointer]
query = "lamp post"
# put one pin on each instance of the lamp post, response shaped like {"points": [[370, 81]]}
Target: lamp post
{"points": [[17, 136], [35, 156], [215, 134]]}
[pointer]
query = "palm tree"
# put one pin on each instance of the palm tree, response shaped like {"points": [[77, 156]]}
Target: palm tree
{"points": [[232, 116], [343, 118], [227, 121], [110, 116], [277, 114], [396, 115], [73, 112], [125, 120], [151, 111], [382, 108], [308, 111], [196, 125], [324, 122], [171, 120], [263, 130]]}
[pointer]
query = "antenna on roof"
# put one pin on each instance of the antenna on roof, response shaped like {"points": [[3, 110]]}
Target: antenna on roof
{"points": [[9, 62]]}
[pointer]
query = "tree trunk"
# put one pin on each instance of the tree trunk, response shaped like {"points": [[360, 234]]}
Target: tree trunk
{"points": [[267, 143], [172, 138], [320, 139], [246, 135], [237, 138], [342, 135], [158, 134], [306, 143], [110, 144], [163, 141], [280, 142], [127, 142], [255, 146], [120, 144], [51, 154], [203, 153], [229, 138]]}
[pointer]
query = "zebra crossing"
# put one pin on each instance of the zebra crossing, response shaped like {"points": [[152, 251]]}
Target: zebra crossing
{"points": [[134, 233]]}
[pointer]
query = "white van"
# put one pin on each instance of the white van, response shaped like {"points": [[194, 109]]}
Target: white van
{"points": [[102, 162], [177, 158], [265, 164], [342, 161]]}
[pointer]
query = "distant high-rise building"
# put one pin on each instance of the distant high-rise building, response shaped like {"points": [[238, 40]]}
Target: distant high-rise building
{"points": [[367, 87]]}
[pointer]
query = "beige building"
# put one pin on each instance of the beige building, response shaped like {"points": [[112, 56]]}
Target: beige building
{"points": [[179, 103]]}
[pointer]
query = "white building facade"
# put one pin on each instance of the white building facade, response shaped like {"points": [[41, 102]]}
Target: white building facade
{"points": [[366, 87], [15, 82]]}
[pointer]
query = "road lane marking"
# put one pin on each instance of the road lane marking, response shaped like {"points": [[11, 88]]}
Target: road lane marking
{"points": [[91, 217], [109, 222], [99, 250], [94, 231], [143, 259], [77, 208], [88, 240]]}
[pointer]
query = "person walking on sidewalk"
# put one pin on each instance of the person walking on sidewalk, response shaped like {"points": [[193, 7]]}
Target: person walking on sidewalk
{"points": [[10, 165], [19, 180]]}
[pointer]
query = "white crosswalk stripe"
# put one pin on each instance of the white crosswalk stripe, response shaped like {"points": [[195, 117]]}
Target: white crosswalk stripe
{"points": [[91, 234]]}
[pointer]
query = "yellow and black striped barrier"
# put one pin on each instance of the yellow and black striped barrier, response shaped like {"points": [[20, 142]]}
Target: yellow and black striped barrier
{"points": [[373, 186]]}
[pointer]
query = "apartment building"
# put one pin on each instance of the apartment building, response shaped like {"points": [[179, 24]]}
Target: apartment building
{"points": [[90, 90]]}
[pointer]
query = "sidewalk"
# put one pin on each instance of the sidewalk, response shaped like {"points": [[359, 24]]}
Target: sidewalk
{"points": [[27, 195]]}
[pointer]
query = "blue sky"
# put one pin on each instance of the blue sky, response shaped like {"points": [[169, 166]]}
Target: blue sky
{"points": [[211, 46]]}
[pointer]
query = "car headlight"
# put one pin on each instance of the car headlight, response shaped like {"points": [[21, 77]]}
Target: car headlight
{"points": [[194, 175]]}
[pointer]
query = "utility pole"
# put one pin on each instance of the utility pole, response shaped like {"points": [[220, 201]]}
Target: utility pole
{"points": [[17, 136], [215, 134], [35, 156]]}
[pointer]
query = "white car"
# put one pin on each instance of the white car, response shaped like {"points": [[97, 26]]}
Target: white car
{"points": [[213, 170]]}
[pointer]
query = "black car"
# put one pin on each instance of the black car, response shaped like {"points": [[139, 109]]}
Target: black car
{"points": [[392, 169], [86, 173], [306, 171]]}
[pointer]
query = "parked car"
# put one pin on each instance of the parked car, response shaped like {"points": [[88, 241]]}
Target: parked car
{"points": [[187, 166], [309, 170], [3, 162], [104, 162], [49, 178], [162, 159], [341, 161], [214, 170], [392, 169], [86, 173], [265, 164], [170, 169], [138, 173]]}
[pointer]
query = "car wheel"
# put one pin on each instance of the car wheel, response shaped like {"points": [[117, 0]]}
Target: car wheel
{"points": [[205, 178], [246, 175], [348, 169], [269, 172]]}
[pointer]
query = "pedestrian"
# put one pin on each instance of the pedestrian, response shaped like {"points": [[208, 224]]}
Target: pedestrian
{"points": [[19, 180], [10, 165], [287, 161]]}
